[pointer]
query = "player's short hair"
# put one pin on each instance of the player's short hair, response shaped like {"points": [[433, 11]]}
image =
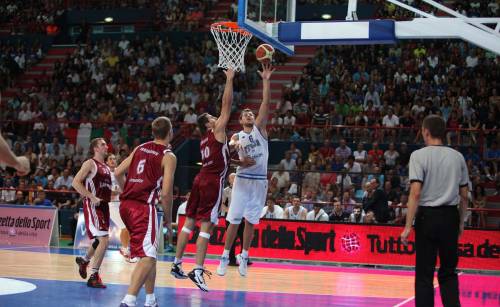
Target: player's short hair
{"points": [[202, 121], [436, 126], [93, 144], [245, 111], [161, 127]]}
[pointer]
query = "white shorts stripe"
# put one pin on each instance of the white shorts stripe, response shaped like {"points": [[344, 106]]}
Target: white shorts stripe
{"points": [[151, 248]]}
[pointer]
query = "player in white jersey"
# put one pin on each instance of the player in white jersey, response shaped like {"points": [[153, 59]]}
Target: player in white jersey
{"points": [[249, 192], [114, 211]]}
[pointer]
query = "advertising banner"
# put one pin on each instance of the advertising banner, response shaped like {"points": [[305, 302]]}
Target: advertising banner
{"points": [[27, 225], [350, 243]]}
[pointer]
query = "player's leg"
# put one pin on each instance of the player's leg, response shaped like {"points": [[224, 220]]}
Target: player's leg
{"points": [[90, 226], [185, 232], [143, 246], [101, 214], [211, 192], [149, 286], [196, 275], [252, 218], [141, 272], [234, 217]]}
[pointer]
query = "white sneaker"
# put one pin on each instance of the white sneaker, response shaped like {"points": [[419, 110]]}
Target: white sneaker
{"points": [[243, 265], [222, 268]]}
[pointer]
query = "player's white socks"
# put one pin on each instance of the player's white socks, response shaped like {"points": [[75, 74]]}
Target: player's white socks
{"points": [[198, 267], [244, 253], [225, 253], [131, 300], [177, 261], [150, 299]]}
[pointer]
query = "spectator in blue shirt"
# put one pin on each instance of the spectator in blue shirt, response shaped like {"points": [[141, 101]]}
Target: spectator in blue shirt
{"points": [[41, 200]]}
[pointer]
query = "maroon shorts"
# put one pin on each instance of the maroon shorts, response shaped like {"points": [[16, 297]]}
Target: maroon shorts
{"points": [[96, 219], [206, 197], [142, 225]]}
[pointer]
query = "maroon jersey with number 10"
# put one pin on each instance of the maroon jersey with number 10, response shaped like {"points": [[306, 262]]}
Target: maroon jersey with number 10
{"points": [[215, 157], [145, 174]]}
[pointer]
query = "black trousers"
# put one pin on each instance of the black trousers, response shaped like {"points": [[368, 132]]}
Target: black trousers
{"points": [[232, 252], [436, 232]]}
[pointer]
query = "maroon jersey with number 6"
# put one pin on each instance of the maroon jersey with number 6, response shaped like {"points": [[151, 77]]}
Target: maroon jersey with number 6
{"points": [[145, 173]]}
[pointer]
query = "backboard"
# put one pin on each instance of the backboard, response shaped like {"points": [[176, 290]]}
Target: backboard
{"points": [[274, 22], [262, 17]]}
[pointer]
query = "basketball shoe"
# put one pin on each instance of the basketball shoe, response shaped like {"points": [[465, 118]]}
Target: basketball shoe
{"points": [[222, 268], [243, 264], [177, 271], [95, 281], [82, 266], [196, 276]]}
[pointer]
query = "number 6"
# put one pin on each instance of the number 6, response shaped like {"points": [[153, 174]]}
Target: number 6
{"points": [[140, 166]]}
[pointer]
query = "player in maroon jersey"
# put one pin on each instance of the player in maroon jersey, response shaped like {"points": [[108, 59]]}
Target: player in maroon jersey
{"points": [[150, 173], [206, 193], [93, 182]]}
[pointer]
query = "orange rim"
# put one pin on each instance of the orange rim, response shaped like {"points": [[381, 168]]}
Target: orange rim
{"points": [[228, 26]]}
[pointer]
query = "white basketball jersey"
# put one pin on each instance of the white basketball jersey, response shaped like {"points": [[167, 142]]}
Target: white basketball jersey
{"points": [[254, 146], [292, 215]]}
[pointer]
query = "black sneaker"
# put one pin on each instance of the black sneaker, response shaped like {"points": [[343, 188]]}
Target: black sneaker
{"points": [[177, 271], [82, 266], [196, 276]]}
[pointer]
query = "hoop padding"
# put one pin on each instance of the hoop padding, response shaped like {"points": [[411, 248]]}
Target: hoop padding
{"points": [[232, 43]]}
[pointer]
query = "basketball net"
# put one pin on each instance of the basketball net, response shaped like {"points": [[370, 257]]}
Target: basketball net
{"points": [[232, 42]]}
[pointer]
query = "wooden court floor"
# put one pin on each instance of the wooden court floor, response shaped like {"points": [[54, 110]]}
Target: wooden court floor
{"points": [[49, 275]]}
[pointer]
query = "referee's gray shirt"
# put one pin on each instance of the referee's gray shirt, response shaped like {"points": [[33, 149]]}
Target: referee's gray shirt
{"points": [[442, 171]]}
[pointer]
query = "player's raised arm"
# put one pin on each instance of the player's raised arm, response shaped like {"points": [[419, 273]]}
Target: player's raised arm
{"points": [[227, 101], [122, 169], [169, 164], [261, 120], [87, 167]]}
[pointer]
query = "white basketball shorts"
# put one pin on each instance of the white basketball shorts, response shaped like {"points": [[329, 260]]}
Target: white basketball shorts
{"points": [[114, 214], [248, 197]]}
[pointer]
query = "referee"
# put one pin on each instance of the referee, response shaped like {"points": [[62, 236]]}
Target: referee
{"points": [[439, 179]]}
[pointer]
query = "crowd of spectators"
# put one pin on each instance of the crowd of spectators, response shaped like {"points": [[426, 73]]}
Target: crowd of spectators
{"points": [[387, 91], [474, 8], [30, 16], [16, 57]]}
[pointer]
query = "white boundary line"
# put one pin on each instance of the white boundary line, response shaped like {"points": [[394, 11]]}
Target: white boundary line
{"points": [[413, 297]]}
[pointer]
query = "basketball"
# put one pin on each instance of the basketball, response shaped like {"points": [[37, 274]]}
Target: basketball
{"points": [[264, 52]]}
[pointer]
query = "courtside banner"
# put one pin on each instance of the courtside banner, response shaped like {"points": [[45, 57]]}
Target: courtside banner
{"points": [[26, 225], [350, 243]]}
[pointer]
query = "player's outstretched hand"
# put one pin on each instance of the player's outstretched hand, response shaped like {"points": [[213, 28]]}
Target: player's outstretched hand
{"points": [[229, 73], [246, 162], [267, 70], [22, 166]]}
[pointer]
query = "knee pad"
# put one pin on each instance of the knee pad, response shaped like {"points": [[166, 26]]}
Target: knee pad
{"points": [[186, 230], [95, 244], [205, 235]]}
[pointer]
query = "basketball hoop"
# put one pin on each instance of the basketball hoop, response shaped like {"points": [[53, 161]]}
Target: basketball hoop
{"points": [[232, 42]]}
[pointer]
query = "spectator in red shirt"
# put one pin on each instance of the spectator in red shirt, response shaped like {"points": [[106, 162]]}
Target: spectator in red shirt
{"points": [[327, 150], [376, 153]]}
